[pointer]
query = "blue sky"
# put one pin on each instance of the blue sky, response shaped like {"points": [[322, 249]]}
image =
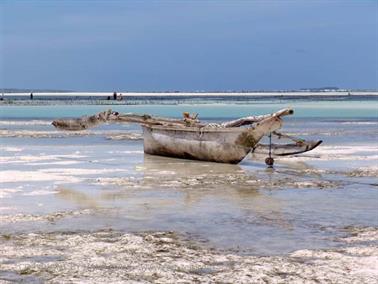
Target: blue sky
{"points": [[188, 45]]}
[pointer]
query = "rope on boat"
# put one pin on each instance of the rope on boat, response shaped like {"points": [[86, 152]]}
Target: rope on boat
{"points": [[270, 161], [298, 141], [270, 144]]}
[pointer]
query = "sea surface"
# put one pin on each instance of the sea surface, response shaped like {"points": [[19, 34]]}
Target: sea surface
{"points": [[100, 178]]}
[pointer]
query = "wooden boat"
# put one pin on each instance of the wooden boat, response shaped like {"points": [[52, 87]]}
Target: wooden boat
{"points": [[225, 145], [188, 138]]}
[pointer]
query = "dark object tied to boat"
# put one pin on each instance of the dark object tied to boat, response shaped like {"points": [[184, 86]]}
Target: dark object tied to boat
{"points": [[188, 138]]}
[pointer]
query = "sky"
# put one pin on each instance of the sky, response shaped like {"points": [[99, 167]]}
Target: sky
{"points": [[188, 45]]}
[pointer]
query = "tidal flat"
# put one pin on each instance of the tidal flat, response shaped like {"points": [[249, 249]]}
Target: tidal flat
{"points": [[108, 256], [90, 206]]}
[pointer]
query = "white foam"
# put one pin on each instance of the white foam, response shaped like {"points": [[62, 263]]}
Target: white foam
{"points": [[10, 149], [345, 150], [60, 163], [7, 192], [4, 208], [39, 192], [327, 153], [39, 134], [329, 157], [126, 152], [25, 122], [360, 122], [36, 176], [79, 171], [56, 175], [34, 158]]}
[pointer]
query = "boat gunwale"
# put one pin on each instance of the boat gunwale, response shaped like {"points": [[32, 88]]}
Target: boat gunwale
{"points": [[198, 129]]}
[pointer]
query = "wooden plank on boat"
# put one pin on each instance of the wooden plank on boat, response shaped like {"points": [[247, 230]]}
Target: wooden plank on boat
{"points": [[109, 116]]}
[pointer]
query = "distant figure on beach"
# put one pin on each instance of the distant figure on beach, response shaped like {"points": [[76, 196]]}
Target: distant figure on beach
{"points": [[108, 98], [31, 96], [114, 96], [120, 98]]}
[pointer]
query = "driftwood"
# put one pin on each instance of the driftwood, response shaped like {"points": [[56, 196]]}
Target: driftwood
{"points": [[86, 122]]}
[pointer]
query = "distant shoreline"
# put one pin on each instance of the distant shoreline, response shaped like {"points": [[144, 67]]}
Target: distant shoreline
{"points": [[68, 95]]}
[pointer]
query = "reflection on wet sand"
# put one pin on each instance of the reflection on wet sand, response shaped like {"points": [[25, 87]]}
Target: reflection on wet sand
{"points": [[79, 198], [215, 181], [170, 187]]}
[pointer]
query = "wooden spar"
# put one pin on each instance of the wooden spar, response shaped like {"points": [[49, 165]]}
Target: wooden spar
{"points": [[298, 141], [253, 119], [150, 120], [299, 146], [286, 149], [86, 122]]}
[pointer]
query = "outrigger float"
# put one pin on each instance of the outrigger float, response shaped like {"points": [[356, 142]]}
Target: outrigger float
{"points": [[188, 138]]}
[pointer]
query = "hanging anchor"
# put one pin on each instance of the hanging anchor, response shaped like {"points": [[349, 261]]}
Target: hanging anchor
{"points": [[269, 161]]}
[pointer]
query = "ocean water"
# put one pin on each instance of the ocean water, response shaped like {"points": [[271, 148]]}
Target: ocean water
{"points": [[100, 178], [206, 109]]}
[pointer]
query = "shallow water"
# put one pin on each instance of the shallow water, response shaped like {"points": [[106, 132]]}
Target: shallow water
{"points": [[100, 178], [222, 108]]}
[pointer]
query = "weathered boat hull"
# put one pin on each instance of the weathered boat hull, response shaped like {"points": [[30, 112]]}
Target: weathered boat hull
{"points": [[224, 145], [194, 145]]}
